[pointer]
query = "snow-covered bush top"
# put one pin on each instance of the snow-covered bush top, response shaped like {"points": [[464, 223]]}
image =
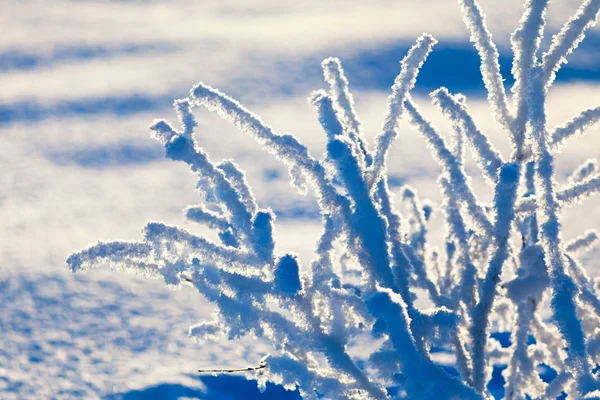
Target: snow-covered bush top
{"points": [[310, 313]]}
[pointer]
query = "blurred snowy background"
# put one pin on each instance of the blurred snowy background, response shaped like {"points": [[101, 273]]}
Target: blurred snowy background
{"points": [[80, 81]]}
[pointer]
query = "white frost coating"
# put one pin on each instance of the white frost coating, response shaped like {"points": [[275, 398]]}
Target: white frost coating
{"points": [[314, 315], [564, 292], [389, 306], [568, 195], [526, 292], [583, 242], [132, 256], [342, 98], [332, 126], [186, 118], [323, 104], [182, 148], [579, 191], [457, 233], [589, 167], [401, 266], [237, 177], [586, 284], [203, 215], [417, 217], [595, 395], [372, 248], [556, 387], [569, 37], [576, 126], [526, 41], [490, 68], [487, 157], [504, 202], [159, 234], [455, 171], [334, 76], [404, 82], [285, 147], [206, 330]]}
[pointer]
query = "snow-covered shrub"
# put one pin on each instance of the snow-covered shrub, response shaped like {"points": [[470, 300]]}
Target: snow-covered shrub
{"points": [[311, 313]]}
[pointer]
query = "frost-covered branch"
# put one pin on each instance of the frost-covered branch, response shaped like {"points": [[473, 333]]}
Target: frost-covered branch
{"points": [[451, 166], [589, 167], [583, 242], [342, 98], [131, 256], [571, 194], [525, 42], [504, 200], [577, 125], [410, 66], [488, 158], [490, 67], [564, 291], [569, 37]]}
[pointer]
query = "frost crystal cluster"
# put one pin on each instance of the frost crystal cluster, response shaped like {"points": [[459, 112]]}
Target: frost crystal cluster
{"points": [[485, 281]]}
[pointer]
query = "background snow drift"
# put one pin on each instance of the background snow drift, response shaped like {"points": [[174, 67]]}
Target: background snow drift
{"points": [[80, 81]]}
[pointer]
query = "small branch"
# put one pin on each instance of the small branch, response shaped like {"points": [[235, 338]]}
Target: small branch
{"points": [[226, 371]]}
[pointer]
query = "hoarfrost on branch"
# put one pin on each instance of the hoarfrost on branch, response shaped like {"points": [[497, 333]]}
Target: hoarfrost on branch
{"points": [[320, 310]]}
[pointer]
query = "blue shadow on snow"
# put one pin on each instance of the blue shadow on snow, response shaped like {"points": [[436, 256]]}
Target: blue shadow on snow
{"points": [[221, 387], [15, 59], [119, 106], [107, 155], [450, 64]]}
